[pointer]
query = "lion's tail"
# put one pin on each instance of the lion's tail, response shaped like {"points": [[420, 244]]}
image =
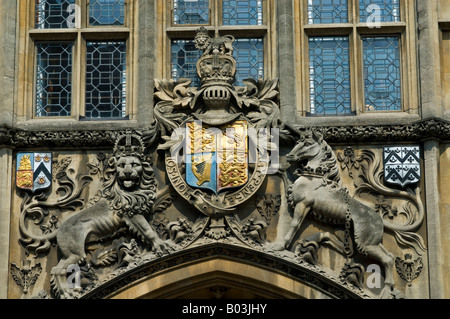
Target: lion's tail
{"points": [[34, 243]]}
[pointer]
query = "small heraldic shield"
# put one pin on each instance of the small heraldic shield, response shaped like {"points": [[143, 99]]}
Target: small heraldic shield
{"points": [[34, 171], [402, 164]]}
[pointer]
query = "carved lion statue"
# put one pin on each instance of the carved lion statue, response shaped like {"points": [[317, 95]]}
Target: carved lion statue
{"points": [[126, 198]]}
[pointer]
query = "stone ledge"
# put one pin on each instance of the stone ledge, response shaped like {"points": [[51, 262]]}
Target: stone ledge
{"points": [[432, 128]]}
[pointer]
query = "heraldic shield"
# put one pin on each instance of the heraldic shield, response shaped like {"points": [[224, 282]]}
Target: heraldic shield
{"points": [[402, 164], [216, 157], [34, 171]]}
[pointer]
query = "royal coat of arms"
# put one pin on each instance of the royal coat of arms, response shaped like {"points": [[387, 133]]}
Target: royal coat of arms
{"points": [[34, 171], [216, 158], [402, 164]]}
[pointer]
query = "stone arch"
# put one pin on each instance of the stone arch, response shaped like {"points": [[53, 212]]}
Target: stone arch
{"points": [[218, 278], [221, 271]]}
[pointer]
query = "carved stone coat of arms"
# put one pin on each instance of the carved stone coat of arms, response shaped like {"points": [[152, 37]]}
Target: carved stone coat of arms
{"points": [[218, 170]]}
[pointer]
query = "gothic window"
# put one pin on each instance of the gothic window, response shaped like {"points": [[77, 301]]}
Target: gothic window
{"points": [[53, 79], [246, 20], [383, 10], [357, 53], [329, 75], [53, 14], [382, 73], [184, 57], [80, 50], [105, 79], [191, 12], [327, 11], [106, 12]]}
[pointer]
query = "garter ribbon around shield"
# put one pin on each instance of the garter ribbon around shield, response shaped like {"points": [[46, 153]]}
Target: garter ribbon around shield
{"points": [[34, 170], [216, 157]]}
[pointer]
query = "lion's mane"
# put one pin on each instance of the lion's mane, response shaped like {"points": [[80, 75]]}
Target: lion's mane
{"points": [[125, 202]]}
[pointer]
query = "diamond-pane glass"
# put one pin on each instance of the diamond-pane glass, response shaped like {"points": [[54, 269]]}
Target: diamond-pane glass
{"points": [[242, 12], [105, 79], [184, 58], [329, 75], [54, 14], [382, 73], [190, 11], [53, 79], [249, 56], [373, 11], [327, 11], [106, 12]]}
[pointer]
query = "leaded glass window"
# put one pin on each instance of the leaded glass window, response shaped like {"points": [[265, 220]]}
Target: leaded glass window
{"points": [[54, 14], [245, 20], [242, 12], [382, 73], [53, 79], [379, 10], [329, 75], [105, 79], [82, 72], [106, 12], [190, 11], [327, 11], [184, 58], [249, 55]]}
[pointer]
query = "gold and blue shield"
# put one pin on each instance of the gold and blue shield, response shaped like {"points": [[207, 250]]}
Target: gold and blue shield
{"points": [[216, 157], [34, 171]]}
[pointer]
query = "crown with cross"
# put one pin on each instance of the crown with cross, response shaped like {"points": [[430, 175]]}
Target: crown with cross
{"points": [[216, 65], [129, 144]]}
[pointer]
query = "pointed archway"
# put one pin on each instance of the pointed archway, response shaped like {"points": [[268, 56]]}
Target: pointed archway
{"points": [[221, 270]]}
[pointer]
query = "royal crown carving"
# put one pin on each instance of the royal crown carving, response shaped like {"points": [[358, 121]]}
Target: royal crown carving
{"points": [[219, 174]]}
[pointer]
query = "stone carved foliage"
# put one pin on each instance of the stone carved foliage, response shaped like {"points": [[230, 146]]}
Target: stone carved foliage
{"points": [[37, 207], [103, 232], [26, 275], [430, 128], [132, 221], [318, 191], [409, 268], [125, 248]]}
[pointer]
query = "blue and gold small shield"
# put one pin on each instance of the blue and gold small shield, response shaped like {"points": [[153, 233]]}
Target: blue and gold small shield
{"points": [[34, 171], [216, 157]]}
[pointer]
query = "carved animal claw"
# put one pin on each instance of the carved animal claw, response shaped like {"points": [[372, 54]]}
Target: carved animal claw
{"points": [[161, 247]]}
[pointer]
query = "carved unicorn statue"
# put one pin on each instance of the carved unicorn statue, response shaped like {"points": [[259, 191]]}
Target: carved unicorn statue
{"points": [[318, 190]]}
